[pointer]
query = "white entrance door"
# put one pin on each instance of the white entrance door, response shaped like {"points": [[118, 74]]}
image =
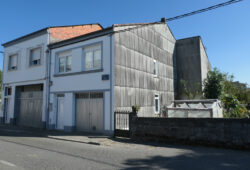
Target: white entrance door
{"points": [[60, 113]]}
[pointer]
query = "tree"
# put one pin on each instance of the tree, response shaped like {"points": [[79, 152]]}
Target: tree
{"points": [[233, 108], [234, 95], [213, 84]]}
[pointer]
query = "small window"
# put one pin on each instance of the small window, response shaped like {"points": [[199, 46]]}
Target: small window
{"points": [[7, 91], [157, 103], [92, 57], [12, 62], [155, 68], [65, 63], [35, 56]]}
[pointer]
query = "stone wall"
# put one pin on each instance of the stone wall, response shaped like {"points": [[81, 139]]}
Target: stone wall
{"points": [[233, 133]]}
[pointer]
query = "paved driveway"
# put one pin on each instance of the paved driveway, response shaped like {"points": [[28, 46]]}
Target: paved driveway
{"points": [[26, 150]]}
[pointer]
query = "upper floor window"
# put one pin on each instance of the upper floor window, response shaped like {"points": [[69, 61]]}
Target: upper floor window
{"points": [[65, 63], [35, 56], [155, 68], [12, 62], [93, 57]]}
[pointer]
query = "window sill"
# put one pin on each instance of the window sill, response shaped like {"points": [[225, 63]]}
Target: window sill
{"points": [[11, 70], [33, 66], [75, 73]]}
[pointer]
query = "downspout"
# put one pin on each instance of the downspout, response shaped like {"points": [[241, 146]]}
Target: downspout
{"points": [[48, 87], [111, 84], [2, 84], [2, 90], [48, 82]]}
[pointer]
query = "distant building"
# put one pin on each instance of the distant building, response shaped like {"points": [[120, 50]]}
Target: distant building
{"points": [[241, 85], [192, 66]]}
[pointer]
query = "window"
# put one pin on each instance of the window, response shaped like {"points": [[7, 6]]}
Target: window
{"points": [[92, 57], [12, 62], [7, 91], [35, 56], [155, 68], [65, 63], [157, 103]]}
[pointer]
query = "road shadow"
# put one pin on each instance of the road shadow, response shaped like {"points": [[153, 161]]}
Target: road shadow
{"points": [[11, 130], [198, 159], [16, 131]]}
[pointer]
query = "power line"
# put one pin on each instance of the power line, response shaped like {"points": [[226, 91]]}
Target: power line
{"points": [[203, 10]]}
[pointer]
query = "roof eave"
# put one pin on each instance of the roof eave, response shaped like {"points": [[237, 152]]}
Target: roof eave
{"points": [[26, 37]]}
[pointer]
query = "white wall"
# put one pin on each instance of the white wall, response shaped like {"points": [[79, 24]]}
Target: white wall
{"points": [[24, 75], [24, 72], [80, 82]]}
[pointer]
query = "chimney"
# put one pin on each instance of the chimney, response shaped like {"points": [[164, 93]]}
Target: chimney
{"points": [[163, 20]]}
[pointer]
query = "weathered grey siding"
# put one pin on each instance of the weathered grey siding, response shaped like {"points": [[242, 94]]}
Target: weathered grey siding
{"points": [[192, 65], [134, 81], [205, 64]]}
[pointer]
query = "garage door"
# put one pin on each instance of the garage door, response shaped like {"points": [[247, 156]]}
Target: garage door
{"points": [[89, 112], [30, 109]]}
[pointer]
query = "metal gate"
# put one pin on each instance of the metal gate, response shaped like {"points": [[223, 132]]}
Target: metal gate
{"points": [[89, 112], [30, 109], [122, 128]]}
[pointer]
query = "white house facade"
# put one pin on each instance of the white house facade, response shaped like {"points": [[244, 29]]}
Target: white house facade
{"points": [[25, 64], [81, 86], [26, 71]]}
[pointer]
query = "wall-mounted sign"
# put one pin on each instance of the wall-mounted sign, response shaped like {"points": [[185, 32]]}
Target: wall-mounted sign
{"points": [[105, 77]]}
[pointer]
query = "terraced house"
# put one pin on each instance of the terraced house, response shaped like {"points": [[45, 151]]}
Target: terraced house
{"points": [[81, 81], [25, 74]]}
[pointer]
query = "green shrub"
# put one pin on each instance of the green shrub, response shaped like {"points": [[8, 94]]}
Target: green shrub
{"points": [[233, 108]]}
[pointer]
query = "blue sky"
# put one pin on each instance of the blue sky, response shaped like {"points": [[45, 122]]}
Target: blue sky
{"points": [[225, 31]]}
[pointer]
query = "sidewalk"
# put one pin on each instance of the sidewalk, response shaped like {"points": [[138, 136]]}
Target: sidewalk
{"points": [[79, 137]]}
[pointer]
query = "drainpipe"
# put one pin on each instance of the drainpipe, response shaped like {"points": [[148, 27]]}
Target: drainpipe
{"points": [[3, 66], [111, 83], [48, 88], [2, 90], [48, 52]]}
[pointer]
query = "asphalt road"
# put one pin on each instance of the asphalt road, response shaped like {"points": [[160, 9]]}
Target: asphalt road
{"points": [[19, 150]]}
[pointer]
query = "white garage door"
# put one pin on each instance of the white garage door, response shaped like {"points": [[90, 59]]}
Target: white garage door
{"points": [[89, 112], [30, 109]]}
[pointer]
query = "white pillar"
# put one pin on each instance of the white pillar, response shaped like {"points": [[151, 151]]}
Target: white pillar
{"points": [[69, 112]]}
